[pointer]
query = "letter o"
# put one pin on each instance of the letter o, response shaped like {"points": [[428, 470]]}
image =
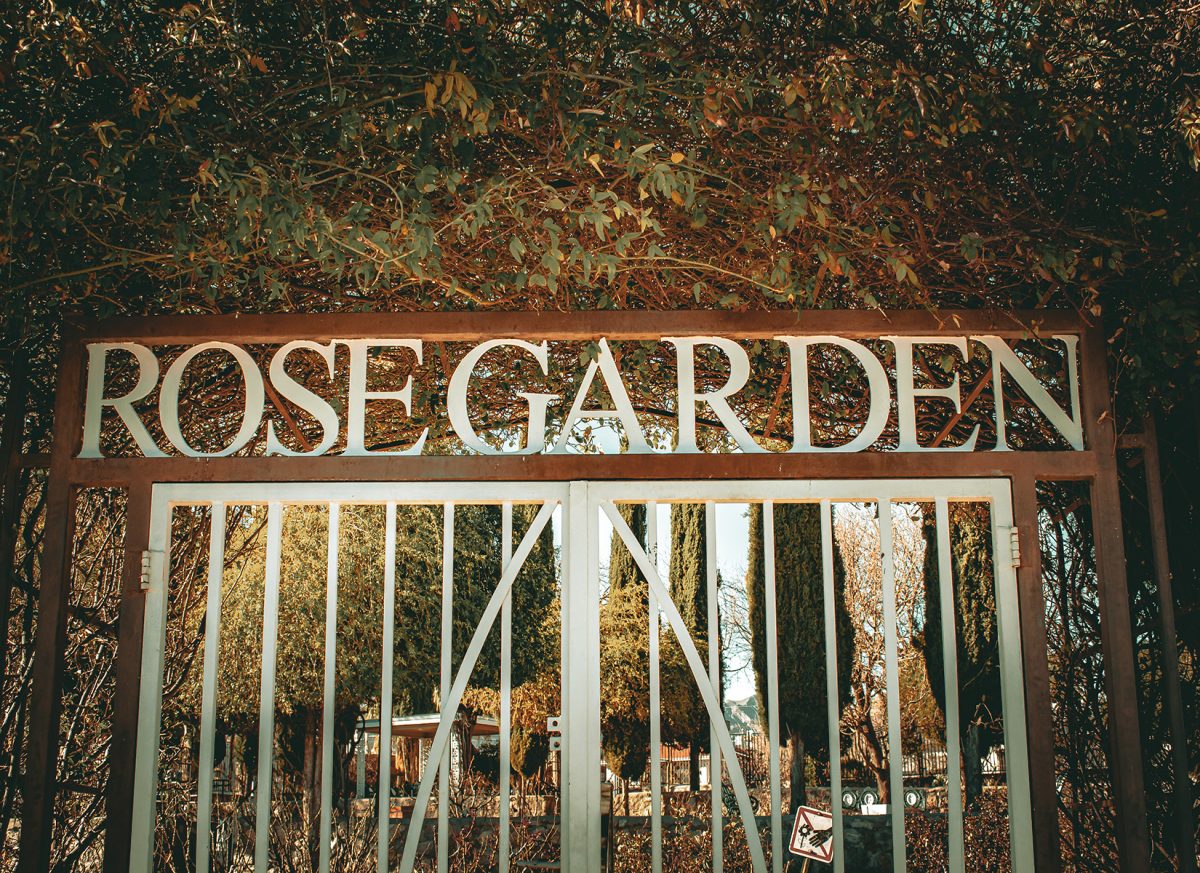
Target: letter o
{"points": [[168, 399]]}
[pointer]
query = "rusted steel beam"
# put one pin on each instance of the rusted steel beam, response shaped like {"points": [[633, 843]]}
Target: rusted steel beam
{"points": [[11, 439], [37, 815], [121, 756], [452, 326], [1116, 633], [1039, 719], [331, 468], [1182, 796]]}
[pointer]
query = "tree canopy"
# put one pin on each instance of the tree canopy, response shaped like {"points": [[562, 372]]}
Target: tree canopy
{"points": [[217, 156]]}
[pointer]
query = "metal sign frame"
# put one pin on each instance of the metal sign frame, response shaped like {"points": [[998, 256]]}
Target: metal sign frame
{"points": [[1095, 465]]}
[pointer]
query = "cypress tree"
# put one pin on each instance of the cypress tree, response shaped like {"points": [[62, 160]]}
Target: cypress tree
{"points": [[624, 657], [800, 631], [689, 591], [623, 571], [978, 652]]}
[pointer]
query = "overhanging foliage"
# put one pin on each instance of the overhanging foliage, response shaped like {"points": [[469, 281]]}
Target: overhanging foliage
{"points": [[219, 156]]}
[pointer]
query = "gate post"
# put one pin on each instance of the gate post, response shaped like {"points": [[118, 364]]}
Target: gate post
{"points": [[45, 708], [1116, 632], [123, 747], [1039, 721]]}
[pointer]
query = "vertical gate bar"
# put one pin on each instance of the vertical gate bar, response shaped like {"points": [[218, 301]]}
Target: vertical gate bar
{"points": [[655, 700], [1116, 630], [443, 807], [772, 630], [506, 525], [892, 669], [266, 700], [565, 701], [123, 750], [589, 651], [577, 540], [150, 686], [208, 695], [387, 665], [45, 703], [331, 614], [832, 692], [954, 799], [1008, 632], [1039, 714], [1170, 650], [714, 676]]}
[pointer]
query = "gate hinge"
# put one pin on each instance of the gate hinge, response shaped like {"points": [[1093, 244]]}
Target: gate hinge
{"points": [[554, 729], [1014, 546], [144, 578]]}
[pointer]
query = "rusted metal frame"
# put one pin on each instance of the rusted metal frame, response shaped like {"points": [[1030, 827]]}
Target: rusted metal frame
{"points": [[119, 472], [1116, 633], [1147, 442], [11, 439], [37, 818], [121, 755], [1039, 719], [138, 474], [567, 326]]}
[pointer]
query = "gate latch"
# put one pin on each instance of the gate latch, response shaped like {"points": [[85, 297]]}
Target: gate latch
{"points": [[554, 729]]}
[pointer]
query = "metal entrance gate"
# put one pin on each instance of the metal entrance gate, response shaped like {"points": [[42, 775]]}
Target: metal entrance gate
{"points": [[79, 460], [580, 511]]}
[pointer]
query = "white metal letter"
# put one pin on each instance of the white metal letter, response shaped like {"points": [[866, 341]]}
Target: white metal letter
{"points": [[622, 407], [252, 411], [359, 395], [1004, 359], [96, 401], [313, 404], [907, 393], [877, 388], [456, 398], [739, 373]]}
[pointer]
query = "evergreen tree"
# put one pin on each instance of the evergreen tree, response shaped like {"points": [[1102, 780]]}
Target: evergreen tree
{"points": [[625, 655], [800, 631], [623, 571], [975, 627], [689, 591]]}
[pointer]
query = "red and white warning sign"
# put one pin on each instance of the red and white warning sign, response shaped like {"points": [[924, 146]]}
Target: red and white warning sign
{"points": [[812, 835]]}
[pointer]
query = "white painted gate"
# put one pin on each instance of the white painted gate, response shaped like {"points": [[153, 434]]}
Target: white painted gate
{"points": [[579, 508]]}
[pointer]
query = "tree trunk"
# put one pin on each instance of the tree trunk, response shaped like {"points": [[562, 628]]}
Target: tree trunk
{"points": [[799, 793], [972, 766], [883, 783], [312, 781], [694, 767]]}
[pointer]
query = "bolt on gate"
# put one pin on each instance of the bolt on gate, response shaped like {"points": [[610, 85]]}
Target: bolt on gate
{"points": [[324, 456]]}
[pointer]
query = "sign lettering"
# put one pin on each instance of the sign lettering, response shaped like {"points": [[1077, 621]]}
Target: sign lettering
{"points": [[345, 417]]}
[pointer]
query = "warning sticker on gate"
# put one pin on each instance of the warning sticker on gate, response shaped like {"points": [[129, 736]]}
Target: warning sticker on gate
{"points": [[812, 835]]}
